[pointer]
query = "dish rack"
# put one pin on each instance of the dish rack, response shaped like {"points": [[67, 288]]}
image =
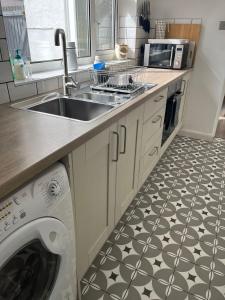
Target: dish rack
{"points": [[127, 80]]}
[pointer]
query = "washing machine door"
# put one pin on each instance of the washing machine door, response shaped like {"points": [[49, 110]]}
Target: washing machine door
{"points": [[34, 262]]}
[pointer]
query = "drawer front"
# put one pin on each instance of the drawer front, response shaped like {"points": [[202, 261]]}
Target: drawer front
{"points": [[154, 104], [152, 126], [150, 158]]}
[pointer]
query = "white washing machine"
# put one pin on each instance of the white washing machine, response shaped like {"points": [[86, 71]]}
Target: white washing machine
{"points": [[37, 251]]}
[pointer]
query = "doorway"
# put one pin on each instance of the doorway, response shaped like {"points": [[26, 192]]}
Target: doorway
{"points": [[220, 131]]}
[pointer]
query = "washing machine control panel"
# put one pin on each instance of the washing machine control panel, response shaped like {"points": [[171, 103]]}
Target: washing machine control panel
{"points": [[34, 201], [10, 215]]}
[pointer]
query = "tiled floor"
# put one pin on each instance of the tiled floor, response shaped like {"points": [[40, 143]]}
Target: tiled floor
{"points": [[170, 244]]}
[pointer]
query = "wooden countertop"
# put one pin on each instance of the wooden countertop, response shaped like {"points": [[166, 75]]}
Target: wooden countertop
{"points": [[30, 142]]}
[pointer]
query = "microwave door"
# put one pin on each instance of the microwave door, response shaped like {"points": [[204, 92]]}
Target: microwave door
{"points": [[161, 55]]}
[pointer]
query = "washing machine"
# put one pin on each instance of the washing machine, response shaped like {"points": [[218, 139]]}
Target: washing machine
{"points": [[37, 240]]}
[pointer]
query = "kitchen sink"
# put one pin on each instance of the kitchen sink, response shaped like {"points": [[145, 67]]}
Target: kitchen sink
{"points": [[84, 106], [72, 108], [100, 98]]}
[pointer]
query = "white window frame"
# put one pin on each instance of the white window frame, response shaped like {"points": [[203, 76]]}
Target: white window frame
{"points": [[55, 65]]}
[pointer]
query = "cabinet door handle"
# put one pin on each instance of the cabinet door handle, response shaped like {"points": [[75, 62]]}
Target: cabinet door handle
{"points": [[154, 151], [157, 119], [184, 87], [125, 139], [158, 99], [117, 145]]}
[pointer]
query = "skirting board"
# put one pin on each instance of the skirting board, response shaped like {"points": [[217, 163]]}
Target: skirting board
{"points": [[196, 135]]}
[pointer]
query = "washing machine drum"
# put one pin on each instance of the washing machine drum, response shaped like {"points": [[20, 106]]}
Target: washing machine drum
{"points": [[34, 261]]}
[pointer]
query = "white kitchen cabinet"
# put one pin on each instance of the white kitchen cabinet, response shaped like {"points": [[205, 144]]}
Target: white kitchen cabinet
{"points": [[127, 164], [152, 129], [105, 182], [154, 103], [109, 169], [150, 157], [94, 172]]}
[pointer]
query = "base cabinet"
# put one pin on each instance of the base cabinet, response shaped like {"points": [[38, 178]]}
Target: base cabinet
{"points": [[109, 169], [127, 164], [105, 182], [94, 187], [150, 158], [152, 129]]}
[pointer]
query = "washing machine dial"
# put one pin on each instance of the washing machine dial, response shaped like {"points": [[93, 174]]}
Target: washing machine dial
{"points": [[54, 188]]}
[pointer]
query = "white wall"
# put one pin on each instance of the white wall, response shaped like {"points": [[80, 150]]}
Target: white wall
{"points": [[207, 84], [127, 7]]}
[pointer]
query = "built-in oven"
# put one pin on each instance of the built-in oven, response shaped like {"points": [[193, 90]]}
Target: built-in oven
{"points": [[172, 114], [168, 53]]}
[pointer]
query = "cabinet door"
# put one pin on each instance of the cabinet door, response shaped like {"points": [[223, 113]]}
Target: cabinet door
{"points": [[94, 188], [127, 165]]}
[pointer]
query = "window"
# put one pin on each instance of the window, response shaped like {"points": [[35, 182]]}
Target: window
{"points": [[105, 24], [83, 28], [44, 16], [30, 27]]}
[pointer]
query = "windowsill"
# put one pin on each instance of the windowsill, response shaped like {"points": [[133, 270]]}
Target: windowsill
{"points": [[57, 73]]}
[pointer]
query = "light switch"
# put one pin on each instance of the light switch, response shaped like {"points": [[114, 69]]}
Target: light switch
{"points": [[222, 25]]}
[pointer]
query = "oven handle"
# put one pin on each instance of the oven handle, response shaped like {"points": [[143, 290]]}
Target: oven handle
{"points": [[171, 56]]}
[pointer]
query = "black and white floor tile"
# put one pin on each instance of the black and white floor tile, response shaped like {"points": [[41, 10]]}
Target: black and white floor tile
{"points": [[170, 243]]}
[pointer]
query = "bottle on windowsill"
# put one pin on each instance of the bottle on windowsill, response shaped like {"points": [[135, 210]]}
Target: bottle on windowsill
{"points": [[18, 67]]}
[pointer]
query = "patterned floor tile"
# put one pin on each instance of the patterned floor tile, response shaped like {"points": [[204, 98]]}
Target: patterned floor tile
{"points": [[170, 242], [170, 285], [120, 291]]}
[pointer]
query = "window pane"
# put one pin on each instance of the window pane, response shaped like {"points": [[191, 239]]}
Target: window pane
{"points": [[15, 27], [30, 27], [83, 27], [43, 17], [105, 24]]}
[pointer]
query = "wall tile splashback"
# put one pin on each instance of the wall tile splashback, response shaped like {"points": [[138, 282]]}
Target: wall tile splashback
{"points": [[47, 85], [133, 35], [4, 94], [6, 72], [21, 91], [4, 54], [2, 29]]}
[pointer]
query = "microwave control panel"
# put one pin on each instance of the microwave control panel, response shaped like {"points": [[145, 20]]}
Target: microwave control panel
{"points": [[178, 56]]}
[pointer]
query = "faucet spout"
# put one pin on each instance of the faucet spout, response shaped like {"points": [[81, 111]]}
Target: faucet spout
{"points": [[61, 33], [68, 82], [58, 32]]}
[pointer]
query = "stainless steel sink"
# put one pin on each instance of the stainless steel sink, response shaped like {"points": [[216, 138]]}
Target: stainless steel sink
{"points": [[85, 106], [101, 98], [72, 108]]}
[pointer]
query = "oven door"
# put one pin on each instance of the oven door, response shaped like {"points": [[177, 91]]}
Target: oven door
{"points": [[34, 262], [159, 55], [169, 118]]}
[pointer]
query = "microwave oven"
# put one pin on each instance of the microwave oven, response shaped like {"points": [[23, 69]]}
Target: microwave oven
{"points": [[169, 53]]}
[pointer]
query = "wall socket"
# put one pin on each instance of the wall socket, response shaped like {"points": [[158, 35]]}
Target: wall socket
{"points": [[222, 25]]}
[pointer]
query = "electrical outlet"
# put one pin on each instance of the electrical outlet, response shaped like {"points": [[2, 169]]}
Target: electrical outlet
{"points": [[222, 25]]}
